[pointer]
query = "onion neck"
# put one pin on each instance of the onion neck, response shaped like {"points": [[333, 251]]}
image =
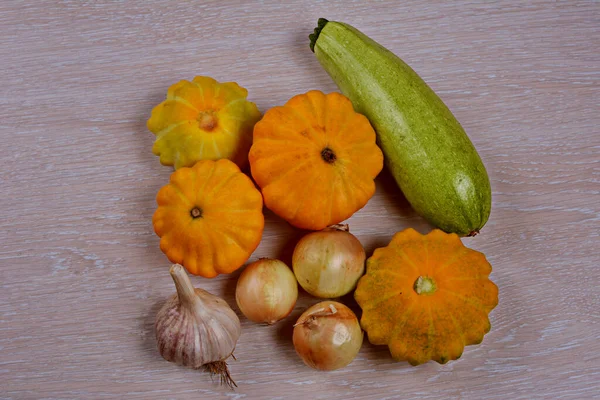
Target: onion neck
{"points": [[311, 319], [338, 227]]}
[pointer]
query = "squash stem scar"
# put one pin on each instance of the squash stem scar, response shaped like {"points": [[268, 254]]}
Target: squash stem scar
{"points": [[196, 212], [425, 285], [328, 155], [207, 121]]}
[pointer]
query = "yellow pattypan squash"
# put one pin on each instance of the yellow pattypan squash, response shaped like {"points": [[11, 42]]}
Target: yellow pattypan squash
{"points": [[203, 120], [426, 296], [209, 218]]}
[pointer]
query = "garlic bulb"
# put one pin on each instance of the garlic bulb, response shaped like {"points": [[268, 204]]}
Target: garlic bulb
{"points": [[197, 329]]}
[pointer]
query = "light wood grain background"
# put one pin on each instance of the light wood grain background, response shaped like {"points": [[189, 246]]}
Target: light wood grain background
{"points": [[82, 273]]}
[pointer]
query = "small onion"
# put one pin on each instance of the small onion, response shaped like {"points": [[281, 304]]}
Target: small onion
{"points": [[329, 263], [327, 336], [266, 291]]}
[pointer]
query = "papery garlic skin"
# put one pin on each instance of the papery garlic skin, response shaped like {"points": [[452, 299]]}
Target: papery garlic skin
{"points": [[195, 327]]}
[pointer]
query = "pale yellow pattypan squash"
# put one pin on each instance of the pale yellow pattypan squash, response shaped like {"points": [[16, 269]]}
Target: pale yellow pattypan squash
{"points": [[203, 120]]}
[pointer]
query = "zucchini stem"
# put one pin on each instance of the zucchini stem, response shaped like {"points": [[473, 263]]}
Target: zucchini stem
{"points": [[315, 35]]}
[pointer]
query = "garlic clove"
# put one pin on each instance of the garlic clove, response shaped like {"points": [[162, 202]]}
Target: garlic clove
{"points": [[195, 328]]}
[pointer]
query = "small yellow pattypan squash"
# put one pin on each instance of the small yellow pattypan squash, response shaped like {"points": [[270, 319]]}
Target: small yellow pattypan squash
{"points": [[203, 120]]}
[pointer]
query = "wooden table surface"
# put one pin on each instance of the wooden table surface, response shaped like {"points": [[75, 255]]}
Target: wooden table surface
{"points": [[82, 273]]}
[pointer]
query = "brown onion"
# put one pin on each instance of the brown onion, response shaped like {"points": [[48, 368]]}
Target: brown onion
{"points": [[327, 336], [329, 263], [266, 291]]}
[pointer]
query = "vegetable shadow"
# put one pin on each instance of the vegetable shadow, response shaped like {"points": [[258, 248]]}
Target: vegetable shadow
{"points": [[148, 333], [397, 210], [285, 331], [229, 286], [387, 185], [156, 175], [286, 251]]}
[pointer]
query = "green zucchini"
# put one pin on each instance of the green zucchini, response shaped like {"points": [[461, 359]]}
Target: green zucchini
{"points": [[427, 151]]}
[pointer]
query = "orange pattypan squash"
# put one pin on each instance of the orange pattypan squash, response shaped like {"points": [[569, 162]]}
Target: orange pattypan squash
{"points": [[426, 297], [203, 120], [209, 218], [315, 160]]}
